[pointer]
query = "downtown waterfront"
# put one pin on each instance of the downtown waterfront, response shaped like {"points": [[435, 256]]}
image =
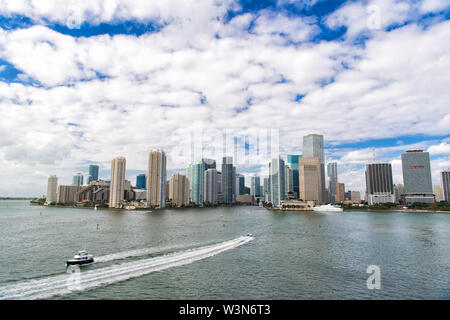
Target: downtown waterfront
{"points": [[294, 255]]}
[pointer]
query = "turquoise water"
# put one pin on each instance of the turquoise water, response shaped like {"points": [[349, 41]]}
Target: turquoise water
{"points": [[196, 253]]}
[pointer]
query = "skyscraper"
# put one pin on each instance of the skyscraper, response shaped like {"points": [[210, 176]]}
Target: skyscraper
{"points": [[156, 178], [267, 190], [196, 174], [209, 163], [77, 179], [292, 160], [313, 146], [277, 181], [52, 185], [340, 192], [445, 182], [255, 186], [438, 193], [379, 184], [289, 179], [332, 180], [179, 190], [66, 194], [141, 181], [228, 180], [240, 184], [309, 179], [417, 176], [210, 186], [117, 184], [93, 173]]}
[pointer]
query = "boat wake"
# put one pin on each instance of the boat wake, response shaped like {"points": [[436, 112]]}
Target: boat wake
{"points": [[77, 281], [136, 253]]}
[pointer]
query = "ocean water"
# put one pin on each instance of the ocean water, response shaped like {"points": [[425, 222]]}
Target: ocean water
{"points": [[204, 254]]}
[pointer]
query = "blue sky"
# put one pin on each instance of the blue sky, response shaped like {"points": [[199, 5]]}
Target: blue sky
{"points": [[87, 81]]}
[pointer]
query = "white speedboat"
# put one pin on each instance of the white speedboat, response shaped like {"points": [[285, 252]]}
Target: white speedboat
{"points": [[82, 258], [328, 208]]}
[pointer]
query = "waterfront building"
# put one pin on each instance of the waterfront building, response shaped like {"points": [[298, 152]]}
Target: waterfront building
{"points": [[228, 180], [246, 199], [52, 184], [379, 185], [309, 179], [156, 178], [297, 205], [141, 181], [277, 181], [117, 184], [93, 173], [417, 177], [398, 191], [77, 179], [313, 146], [255, 186], [292, 160], [66, 194], [332, 180], [240, 184], [179, 190], [445, 183], [355, 196], [438, 193], [210, 186], [267, 190], [96, 191], [220, 198], [246, 190], [196, 176], [340, 192], [289, 179]]}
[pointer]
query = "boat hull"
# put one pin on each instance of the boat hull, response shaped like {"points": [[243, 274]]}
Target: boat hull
{"points": [[79, 262]]}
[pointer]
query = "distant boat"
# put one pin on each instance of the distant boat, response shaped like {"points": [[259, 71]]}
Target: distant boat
{"points": [[82, 258], [328, 208]]}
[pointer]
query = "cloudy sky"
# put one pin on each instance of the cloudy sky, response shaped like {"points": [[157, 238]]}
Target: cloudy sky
{"points": [[84, 81]]}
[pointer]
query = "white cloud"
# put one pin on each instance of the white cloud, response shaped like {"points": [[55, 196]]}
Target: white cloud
{"points": [[440, 149], [185, 77]]}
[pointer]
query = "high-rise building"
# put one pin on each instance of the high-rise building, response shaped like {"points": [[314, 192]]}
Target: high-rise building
{"points": [[340, 192], [309, 179], [210, 186], [355, 195], [379, 185], [196, 176], [66, 194], [141, 181], [179, 190], [156, 178], [77, 179], [292, 160], [277, 181], [289, 179], [240, 184], [267, 190], [219, 188], [228, 180], [398, 191], [209, 163], [445, 182], [438, 193], [117, 184], [93, 173], [52, 185], [332, 180], [313, 146], [255, 186], [417, 177]]}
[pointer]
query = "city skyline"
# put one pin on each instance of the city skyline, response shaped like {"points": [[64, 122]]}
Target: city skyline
{"points": [[313, 67]]}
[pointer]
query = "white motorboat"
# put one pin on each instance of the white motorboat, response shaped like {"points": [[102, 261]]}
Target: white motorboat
{"points": [[328, 208], [82, 258]]}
